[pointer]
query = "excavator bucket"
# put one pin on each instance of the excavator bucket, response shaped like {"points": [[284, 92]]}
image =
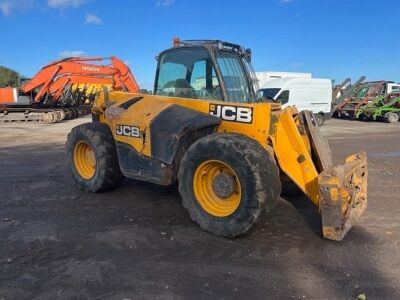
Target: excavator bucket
{"points": [[343, 195]]}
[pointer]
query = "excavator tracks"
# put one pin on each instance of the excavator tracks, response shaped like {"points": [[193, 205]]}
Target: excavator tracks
{"points": [[41, 114]]}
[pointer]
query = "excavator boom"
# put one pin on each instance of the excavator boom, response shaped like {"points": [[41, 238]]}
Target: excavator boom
{"points": [[71, 67]]}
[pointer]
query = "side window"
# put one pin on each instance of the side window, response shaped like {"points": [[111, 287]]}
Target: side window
{"points": [[169, 73], [283, 98], [198, 78], [204, 81], [234, 77]]}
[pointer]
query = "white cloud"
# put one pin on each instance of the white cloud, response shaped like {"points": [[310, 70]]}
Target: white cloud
{"points": [[93, 19], [8, 6], [286, 1], [164, 3], [69, 53], [65, 3], [5, 7]]}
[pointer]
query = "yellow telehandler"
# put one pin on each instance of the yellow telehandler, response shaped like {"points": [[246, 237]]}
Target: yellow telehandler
{"points": [[229, 151]]}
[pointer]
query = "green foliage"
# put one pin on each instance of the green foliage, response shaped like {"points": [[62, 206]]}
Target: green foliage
{"points": [[8, 77], [145, 91]]}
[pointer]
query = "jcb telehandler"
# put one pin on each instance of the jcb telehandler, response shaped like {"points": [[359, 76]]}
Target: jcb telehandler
{"points": [[228, 151]]}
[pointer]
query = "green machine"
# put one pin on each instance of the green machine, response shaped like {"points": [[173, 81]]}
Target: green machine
{"points": [[383, 107]]}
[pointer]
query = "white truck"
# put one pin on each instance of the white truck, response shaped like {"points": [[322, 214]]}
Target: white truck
{"points": [[314, 94]]}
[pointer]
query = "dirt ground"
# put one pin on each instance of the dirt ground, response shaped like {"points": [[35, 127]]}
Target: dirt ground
{"points": [[138, 242]]}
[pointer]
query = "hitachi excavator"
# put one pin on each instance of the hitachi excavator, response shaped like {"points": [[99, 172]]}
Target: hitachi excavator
{"points": [[62, 89], [229, 151]]}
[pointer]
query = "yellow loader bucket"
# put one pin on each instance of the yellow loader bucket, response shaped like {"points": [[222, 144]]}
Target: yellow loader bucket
{"points": [[343, 195]]}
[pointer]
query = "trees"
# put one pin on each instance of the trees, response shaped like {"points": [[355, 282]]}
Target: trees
{"points": [[8, 77]]}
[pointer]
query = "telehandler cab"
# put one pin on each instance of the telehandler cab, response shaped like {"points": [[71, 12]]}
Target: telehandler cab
{"points": [[229, 152]]}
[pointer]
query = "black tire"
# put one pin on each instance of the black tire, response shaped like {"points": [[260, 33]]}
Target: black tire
{"points": [[391, 117], [319, 118], [364, 117], [256, 170], [107, 175]]}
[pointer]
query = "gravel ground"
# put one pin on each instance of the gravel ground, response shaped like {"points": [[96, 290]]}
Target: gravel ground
{"points": [[138, 242]]}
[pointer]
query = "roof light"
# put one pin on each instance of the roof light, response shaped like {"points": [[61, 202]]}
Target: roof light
{"points": [[176, 42]]}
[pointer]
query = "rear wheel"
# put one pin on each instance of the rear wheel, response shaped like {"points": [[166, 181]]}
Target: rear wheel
{"points": [[92, 157], [226, 181], [391, 117]]}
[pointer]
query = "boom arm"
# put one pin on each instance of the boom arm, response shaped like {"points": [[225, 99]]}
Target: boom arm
{"points": [[80, 67], [340, 192]]}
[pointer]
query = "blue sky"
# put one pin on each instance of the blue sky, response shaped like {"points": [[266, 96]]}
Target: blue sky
{"points": [[330, 38]]}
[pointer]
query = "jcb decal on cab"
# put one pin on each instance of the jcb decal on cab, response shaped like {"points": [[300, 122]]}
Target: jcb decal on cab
{"points": [[232, 113], [127, 130]]}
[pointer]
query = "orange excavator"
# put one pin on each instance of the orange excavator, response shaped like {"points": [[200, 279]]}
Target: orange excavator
{"points": [[65, 88]]}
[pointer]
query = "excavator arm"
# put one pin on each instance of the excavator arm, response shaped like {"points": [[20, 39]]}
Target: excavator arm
{"points": [[81, 68]]}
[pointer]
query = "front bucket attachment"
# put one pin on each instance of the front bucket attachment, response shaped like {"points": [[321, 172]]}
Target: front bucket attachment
{"points": [[343, 195]]}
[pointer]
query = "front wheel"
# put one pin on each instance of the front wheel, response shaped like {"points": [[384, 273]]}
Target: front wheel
{"points": [[226, 181], [391, 117], [92, 158]]}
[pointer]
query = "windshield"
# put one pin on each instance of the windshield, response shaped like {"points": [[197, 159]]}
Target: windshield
{"points": [[188, 73], [234, 77], [269, 93]]}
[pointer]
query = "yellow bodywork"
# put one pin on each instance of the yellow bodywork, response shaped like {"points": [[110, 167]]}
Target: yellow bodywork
{"points": [[272, 127], [293, 152], [278, 130], [145, 111]]}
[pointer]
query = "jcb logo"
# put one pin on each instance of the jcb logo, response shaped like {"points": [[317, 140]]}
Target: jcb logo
{"points": [[126, 130], [232, 113]]}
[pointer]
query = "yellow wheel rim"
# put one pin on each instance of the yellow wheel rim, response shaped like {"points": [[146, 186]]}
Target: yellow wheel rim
{"points": [[85, 160], [217, 188]]}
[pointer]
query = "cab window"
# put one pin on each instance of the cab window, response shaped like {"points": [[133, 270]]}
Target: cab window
{"points": [[188, 74], [234, 77]]}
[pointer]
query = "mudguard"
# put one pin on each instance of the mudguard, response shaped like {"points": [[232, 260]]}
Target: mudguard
{"points": [[173, 124]]}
